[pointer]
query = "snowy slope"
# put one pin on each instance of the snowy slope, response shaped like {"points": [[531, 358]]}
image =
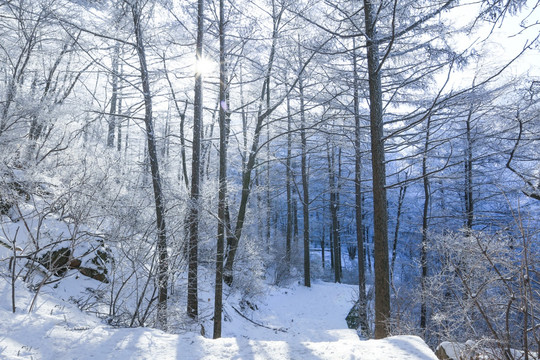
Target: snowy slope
{"points": [[307, 323]]}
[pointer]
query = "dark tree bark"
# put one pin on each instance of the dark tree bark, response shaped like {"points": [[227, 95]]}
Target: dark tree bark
{"points": [[295, 217], [268, 199], [193, 220], [333, 207], [289, 178], [362, 299], [163, 275], [305, 179], [268, 190], [322, 251], [206, 149], [425, 223], [469, 201], [183, 146], [114, 96], [337, 228], [244, 113], [382, 285], [222, 192], [119, 124], [331, 246], [401, 198]]}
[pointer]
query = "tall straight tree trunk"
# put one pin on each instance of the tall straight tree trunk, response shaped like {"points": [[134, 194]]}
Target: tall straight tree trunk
{"points": [[323, 250], [338, 225], [163, 276], [268, 200], [268, 192], [333, 213], [469, 201], [206, 149], [222, 192], [126, 138], [244, 114], [380, 215], [114, 96], [183, 147], [330, 237], [331, 246], [295, 217], [119, 124], [305, 180], [289, 175], [425, 224], [193, 222], [119, 109], [362, 299], [401, 198]]}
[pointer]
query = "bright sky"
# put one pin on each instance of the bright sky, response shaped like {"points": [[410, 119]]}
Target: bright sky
{"points": [[499, 44]]}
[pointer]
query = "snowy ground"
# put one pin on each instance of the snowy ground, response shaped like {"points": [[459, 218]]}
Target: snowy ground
{"points": [[308, 323]]}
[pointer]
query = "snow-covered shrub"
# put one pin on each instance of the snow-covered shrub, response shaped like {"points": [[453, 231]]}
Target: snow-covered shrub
{"points": [[485, 286]]}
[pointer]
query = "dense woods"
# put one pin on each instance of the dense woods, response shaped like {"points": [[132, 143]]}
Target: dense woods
{"points": [[160, 146]]}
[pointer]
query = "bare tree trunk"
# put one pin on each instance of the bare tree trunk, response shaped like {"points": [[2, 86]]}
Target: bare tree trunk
{"points": [[183, 146], [119, 124], [289, 175], [244, 112], [268, 192], [114, 96], [338, 225], [206, 148], [331, 246], [305, 180], [193, 222], [222, 192], [295, 218], [362, 299], [163, 276], [268, 200], [322, 250], [401, 198], [380, 215], [469, 201], [333, 213], [330, 236], [425, 215]]}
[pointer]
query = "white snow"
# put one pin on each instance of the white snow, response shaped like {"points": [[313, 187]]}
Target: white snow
{"points": [[308, 323]]}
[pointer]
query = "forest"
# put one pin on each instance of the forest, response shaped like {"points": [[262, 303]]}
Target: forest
{"points": [[167, 149]]}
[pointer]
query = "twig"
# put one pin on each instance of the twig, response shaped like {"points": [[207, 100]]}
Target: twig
{"points": [[258, 324]]}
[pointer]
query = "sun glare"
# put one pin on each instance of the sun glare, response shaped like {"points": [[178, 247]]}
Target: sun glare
{"points": [[205, 66]]}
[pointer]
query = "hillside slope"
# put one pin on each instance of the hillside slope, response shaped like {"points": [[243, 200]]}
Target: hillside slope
{"points": [[289, 323]]}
